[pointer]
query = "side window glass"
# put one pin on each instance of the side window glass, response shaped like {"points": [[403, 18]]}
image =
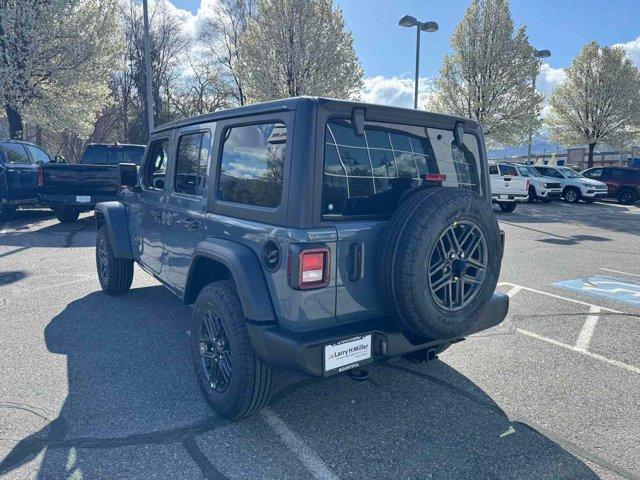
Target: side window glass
{"points": [[616, 174], [508, 170], [38, 154], [15, 153], [191, 163], [251, 167], [156, 165]]}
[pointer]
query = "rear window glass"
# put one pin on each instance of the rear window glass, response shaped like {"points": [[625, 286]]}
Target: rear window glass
{"points": [[508, 170], [112, 155], [366, 175], [252, 164]]}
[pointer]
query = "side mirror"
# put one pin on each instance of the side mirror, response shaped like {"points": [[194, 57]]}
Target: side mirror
{"points": [[128, 174], [59, 159]]}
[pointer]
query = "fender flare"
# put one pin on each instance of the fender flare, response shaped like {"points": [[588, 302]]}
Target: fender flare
{"points": [[247, 273], [114, 216]]}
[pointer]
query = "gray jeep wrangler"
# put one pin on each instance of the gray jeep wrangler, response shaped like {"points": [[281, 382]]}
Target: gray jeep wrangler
{"points": [[309, 233]]}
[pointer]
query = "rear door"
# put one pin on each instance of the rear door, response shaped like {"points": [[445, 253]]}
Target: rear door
{"points": [[19, 172], [614, 178], [364, 177], [148, 215], [186, 203]]}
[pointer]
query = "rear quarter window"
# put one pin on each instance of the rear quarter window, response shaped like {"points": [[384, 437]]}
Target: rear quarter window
{"points": [[366, 175]]}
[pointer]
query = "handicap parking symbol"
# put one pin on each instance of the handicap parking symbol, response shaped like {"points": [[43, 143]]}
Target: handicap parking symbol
{"points": [[607, 287]]}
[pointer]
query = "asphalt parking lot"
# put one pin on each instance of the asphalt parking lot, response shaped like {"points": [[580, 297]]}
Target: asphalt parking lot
{"points": [[98, 387]]}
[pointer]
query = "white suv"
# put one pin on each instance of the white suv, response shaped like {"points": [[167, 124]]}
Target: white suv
{"points": [[574, 186], [541, 188]]}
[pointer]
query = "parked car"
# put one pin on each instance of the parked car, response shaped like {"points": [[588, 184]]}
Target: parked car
{"points": [[508, 188], [18, 178], [545, 189], [622, 183], [309, 233], [69, 189], [575, 187]]}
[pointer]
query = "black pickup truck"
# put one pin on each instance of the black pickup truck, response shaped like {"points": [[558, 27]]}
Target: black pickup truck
{"points": [[69, 189]]}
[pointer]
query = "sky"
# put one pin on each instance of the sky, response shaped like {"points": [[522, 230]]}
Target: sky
{"points": [[387, 51]]}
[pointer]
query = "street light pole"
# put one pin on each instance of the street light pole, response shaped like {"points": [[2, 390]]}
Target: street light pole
{"points": [[538, 54], [147, 68], [409, 21]]}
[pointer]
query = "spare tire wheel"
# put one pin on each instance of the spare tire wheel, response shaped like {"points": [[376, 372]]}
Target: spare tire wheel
{"points": [[440, 262]]}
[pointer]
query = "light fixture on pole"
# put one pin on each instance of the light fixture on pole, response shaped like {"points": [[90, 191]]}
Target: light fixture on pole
{"points": [[538, 54], [147, 68], [409, 21]]}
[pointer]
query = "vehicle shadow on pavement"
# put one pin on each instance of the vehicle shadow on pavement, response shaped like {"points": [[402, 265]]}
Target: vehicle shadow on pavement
{"points": [[133, 410], [26, 233]]}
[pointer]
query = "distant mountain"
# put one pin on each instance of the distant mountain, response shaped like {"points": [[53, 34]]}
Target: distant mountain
{"points": [[539, 146]]}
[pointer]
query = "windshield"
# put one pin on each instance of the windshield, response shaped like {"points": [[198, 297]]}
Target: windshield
{"points": [[567, 172], [525, 172]]}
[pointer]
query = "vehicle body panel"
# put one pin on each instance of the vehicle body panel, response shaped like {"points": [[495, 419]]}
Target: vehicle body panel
{"points": [[507, 187], [616, 179], [590, 189], [18, 172]]}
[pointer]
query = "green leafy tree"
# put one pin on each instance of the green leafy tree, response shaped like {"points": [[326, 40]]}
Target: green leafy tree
{"points": [[298, 47], [598, 102], [488, 76]]}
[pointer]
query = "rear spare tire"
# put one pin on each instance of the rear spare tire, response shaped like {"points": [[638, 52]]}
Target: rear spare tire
{"points": [[440, 262]]}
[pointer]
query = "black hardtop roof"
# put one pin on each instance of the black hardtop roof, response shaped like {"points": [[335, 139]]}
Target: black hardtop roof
{"points": [[290, 104], [117, 145]]}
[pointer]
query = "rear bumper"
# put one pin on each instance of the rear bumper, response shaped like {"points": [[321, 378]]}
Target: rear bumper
{"points": [[277, 347], [57, 200], [509, 198]]}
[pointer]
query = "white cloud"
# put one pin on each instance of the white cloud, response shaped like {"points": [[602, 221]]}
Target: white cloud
{"points": [[549, 78], [632, 50], [395, 91]]}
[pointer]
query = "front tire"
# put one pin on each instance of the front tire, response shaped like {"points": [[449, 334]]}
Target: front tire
{"points": [[232, 379], [115, 274], [66, 215], [507, 207], [572, 195]]}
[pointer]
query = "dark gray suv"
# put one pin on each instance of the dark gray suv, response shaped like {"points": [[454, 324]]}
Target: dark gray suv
{"points": [[310, 233]]}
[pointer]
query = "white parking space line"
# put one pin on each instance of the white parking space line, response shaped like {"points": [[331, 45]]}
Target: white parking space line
{"points": [[618, 271], [626, 366], [317, 468], [584, 338], [513, 291], [580, 302]]}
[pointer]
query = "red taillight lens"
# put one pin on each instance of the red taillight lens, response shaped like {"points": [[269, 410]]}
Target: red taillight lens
{"points": [[434, 177], [314, 268], [40, 174]]}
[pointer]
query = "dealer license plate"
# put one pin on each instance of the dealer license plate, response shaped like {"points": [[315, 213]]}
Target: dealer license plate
{"points": [[83, 199], [347, 354]]}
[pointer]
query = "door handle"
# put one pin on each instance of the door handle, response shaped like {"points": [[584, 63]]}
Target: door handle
{"points": [[191, 225]]}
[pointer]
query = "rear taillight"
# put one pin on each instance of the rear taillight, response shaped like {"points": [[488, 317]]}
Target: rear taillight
{"points": [[314, 267], [40, 174]]}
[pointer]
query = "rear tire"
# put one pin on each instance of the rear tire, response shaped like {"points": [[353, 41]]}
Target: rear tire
{"points": [[507, 207], [115, 274], [66, 215], [232, 379], [627, 197]]}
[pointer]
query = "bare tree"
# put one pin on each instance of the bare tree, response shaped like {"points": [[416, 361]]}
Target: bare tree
{"points": [[598, 102], [488, 76], [298, 47], [221, 36]]}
